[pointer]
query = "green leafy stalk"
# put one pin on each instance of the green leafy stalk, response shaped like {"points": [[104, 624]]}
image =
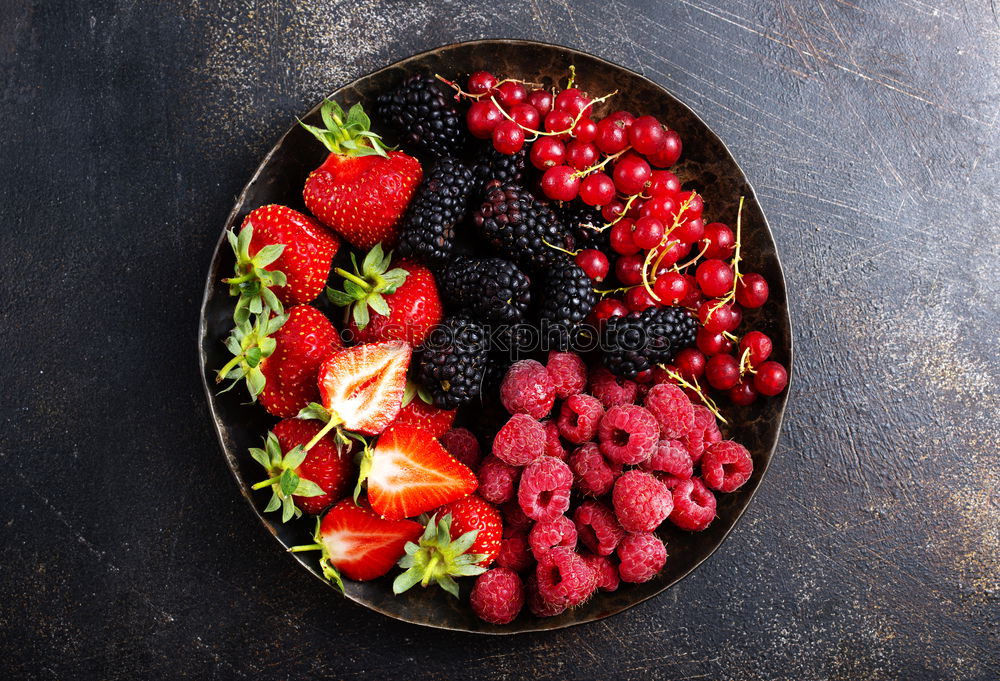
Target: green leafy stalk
{"points": [[329, 571], [439, 559], [367, 286], [250, 344], [346, 134], [253, 282], [283, 478]]}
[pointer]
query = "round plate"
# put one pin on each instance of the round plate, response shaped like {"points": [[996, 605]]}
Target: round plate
{"points": [[706, 165]]}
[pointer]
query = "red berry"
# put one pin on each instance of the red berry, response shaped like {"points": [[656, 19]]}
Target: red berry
{"points": [[497, 480], [694, 505], [611, 390], [712, 343], [647, 135], [597, 189], [722, 372], [752, 290], [672, 409], [544, 490], [670, 288], [612, 136], [715, 317], [511, 93], [641, 502], [715, 277], [669, 152], [695, 204], [613, 210], [669, 253], [642, 555], [541, 100], [628, 434], [663, 208], [690, 363], [481, 82], [561, 183], [482, 117], [572, 101], [592, 261], [628, 269], [525, 115], [690, 231], [743, 393], [527, 388], [547, 152], [621, 237], [596, 525], [607, 308], [759, 345], [508, 137], [497, 596], [770, 379], [582, 155], [579, 418], [693, 298], [638, 299], [720, 240], [664, 183], [585, 130], [735, 316], [520, 441], [631, 174], [623, 117], [648, 232], [568, 373], [559, 121], [725, 466]]}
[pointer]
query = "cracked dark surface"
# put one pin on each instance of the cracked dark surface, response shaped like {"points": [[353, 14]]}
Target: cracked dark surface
{"points": [[870, 133]]}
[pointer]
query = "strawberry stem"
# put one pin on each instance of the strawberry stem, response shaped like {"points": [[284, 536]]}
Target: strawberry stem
{"points": [[266, 483], [230, 365], [356, 279], [305, 547], [330, 425]]}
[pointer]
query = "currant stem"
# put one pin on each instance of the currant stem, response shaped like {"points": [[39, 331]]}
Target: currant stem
{"points": [[572, 253], [705, 399], [736, 259]]}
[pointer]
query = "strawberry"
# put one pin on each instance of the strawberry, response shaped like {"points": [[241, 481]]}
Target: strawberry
{"points": [[362, 387], [279, 358], [474, 513], [358, 544], [418, 411], [409, 472], [439, 556], [361, 190], [302, 481], [404, 300]]}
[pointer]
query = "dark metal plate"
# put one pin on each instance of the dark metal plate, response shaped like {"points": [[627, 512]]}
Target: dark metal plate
{"points": [[706, 164]]}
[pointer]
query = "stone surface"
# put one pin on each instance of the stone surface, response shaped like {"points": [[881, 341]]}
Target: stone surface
{"points": [[869, 131]]}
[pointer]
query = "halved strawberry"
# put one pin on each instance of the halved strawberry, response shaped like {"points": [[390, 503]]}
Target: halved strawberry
{"points": [[409, 472], [362, 387], [418, 411], [358, 544]]}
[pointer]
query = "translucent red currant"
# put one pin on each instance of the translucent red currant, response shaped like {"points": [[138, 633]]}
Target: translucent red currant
{"points": [[612, 136], [482, 117], [561, 183], [720, 239], [647, 233], [770, 379], [669, 152], [511, 93], [597, 189], [759, 345], [525, 115], [481, 82], [547, 152], [581, 155], [631, 174], [508, 137], [637, 299], [541, 100], [752, 291], [722, 372], [715, 277], [628, 269], [670, 288], [594, 263], [690, 362], [743, 394], [621, 237], [647, 135]]}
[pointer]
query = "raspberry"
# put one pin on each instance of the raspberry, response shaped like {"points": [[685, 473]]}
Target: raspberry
{"points": [[568, 373], [497, 480], [527, 389], [497, 596], [694, 505], [695, 439], [670, 456], [642, 556], [520, 441], [553, 445], [579, 418], [611, 390], [463, 445], [604, 569], [628, 434], [546, 535], [513, 516], [725, 466], [514, 552], [672, 409], [564, 578], [597, 527], [641, 501], [537, 604], [544, 489], [670, 481], [592, 472]]}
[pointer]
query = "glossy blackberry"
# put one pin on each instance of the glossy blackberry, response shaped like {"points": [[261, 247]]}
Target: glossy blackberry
{"points": [[567, 298], [440, 202], [490, 289], [424, 116], [583, 221], [490, 164], [452, 362], [513, 222], [640, 340]]}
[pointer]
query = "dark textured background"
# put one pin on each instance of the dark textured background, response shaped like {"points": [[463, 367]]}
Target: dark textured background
{"points": [[870, 132]]}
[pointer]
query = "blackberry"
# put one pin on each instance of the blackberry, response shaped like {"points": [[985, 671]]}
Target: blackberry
{"points": [[640, 340], [490, 289], [583, 221], [422, 113], [513, 222], [567, 298], [452, 362], [490, 164], [440, 202]]}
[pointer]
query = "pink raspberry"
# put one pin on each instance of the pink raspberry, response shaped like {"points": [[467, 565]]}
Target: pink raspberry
{"points": [[611, 390], [641, 501], [520, 441], [725, 466], [568, 373], [712, 433], [564, 578], [497, 480], [553, 445], [669, 481], [672, 457], [497, 596], [642, 555], [580, 417], [546, 535], [672, 409], [694, 505], [513, 515], [694, 439], [514, 552], [539, 606], [628, 434], [545, 488], [527, 389], [606, 571], [463, 445], [593, 473], [597, 527]]}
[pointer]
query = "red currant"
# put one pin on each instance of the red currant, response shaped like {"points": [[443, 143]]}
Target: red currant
{"points": [[669, 253], [722, 372], [714, 317], [663, 208], [560, 122], [612, 210], [759, 345], [664, 183], [628, 269], [621, 237], [561, 183], [670, 288], [690, 363], [637, 299], [712, 343], [594, 263], [547, 152], [647, 135], [735, 317], [648, 232], [720, 239], [572, 101], [581, 155], [511, 93], [597, 189], [612, 136], [770, 379], [631, 174], [743, 394], [644, 377], [690, 231], [715, 277], [693, 298], [585, 130], [607, 308], [481, 82], [541, 100], [669, 152], [508, 137], [624, 117], [482, 117], [695, 204], [752, 291], [525, 115]]}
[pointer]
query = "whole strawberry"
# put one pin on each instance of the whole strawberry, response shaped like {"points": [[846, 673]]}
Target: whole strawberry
{"points": [[473, 513], [361, 190], [437, 557], [401, 303], [282, 257]]}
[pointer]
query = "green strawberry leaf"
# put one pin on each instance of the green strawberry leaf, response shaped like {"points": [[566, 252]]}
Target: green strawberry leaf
{"points": [[294, 458], [268, 254], [338, 298], [273, 504], [260, 456], [255, 382], [361, 318], [378, 303], [373, 261], [308, 488], [288, 509], [314, 411]]}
